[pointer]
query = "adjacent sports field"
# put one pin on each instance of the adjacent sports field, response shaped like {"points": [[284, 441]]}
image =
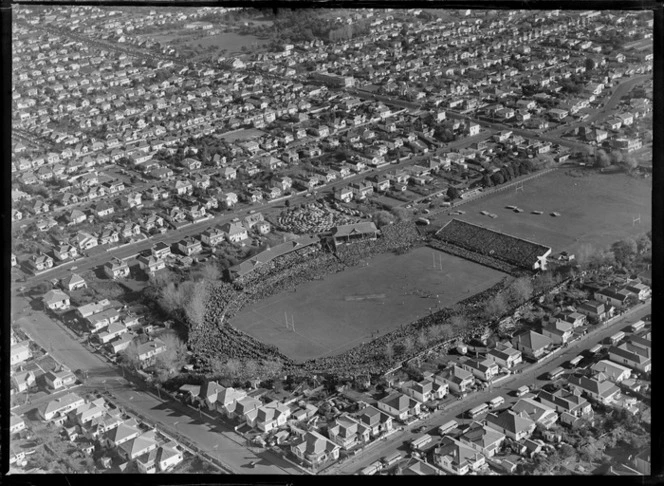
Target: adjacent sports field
{"points": [[339, 312], [596, 209]]}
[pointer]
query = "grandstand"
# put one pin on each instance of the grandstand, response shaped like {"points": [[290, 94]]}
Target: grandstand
{"points": [[500, 246]]}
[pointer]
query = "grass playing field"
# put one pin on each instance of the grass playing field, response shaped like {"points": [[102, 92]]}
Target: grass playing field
{"points": [[596, 209], [344, 309]]}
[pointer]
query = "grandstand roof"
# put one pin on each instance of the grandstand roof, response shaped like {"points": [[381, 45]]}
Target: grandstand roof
{"points": [[270, 254], [363, 227], [475, 238]]}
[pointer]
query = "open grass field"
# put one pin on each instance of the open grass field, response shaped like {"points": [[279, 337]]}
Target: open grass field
{"points": [[596, 209], [230, 41], [344, 309]]}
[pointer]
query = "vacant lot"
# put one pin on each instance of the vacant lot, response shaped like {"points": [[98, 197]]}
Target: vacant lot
{"points": [[335, 314], [596, 209]]}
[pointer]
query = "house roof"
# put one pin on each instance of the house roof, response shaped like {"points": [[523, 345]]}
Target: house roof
{"points": [[509, 421], [482, 435], [533, 340], [314, 443], [54, 296], [597, 385], [140, 444], [460, 453]]}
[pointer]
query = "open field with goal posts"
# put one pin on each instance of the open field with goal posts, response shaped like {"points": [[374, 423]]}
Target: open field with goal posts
{"points": [[326, 317], [598, 209]]}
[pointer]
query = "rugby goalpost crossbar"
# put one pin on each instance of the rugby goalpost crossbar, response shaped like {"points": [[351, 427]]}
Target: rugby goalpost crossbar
{"points": [[519, 187], [636, 219]]}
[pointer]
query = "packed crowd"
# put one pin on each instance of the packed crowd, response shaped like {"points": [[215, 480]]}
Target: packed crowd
{"points": [[314, 218], [277, 265], [486, 260], [512, 250]]}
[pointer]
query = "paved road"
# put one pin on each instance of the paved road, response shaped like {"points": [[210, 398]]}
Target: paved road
{"points": [[214, 437], [528, 377]]}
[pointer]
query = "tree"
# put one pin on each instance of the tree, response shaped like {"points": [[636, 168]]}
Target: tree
{"points": [[170, 298], [602, 159], [590, 64], [130, 356], [402, 214], [388, 351], [486, 180], [630, 162], [453, 193], [520, 290], [496, 307], [616, 157], [250, 369], [232, 368], [210, 272], [584, 254], [196, 304], [497, 178], [624, 251], [382, 218], [422, 339], [271, 368], [458, 323], [175, 355]]}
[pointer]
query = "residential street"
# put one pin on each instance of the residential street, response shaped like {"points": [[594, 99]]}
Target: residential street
{"points": [[218, 440], [530, 378]]}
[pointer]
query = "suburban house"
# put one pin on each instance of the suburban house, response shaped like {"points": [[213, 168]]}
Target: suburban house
{"points": [[150, 264], [513, 425], [344, 194], [16, 424], [505, 356], [612, 296], [100, 320], [458, 379], [60, 406], [532, 344], [595, 309], [40, 262], [56, 299], [485, 369], [73, 282], [150, 349], [612, 371], [114, 330], [20, 352], [118, 434], [635, 357], [22, 381], [455, 457], [162, 459], [268, 417], [483, 439], [314, 449], [558, 331], [234, 232], [93, 308], [213, 236], [116, 268], [59, 379], [189, 246], [348, 432], [377, 421], [161, 250], [598, 388], [536, 411], [567, 404], [421, 391], [399, 406], [139, 445]]}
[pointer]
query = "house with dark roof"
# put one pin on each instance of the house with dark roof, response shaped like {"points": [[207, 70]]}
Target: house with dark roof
{"points": [[598, 388], [399, 406], [532, 344], [458, 379], [567, 404], [513, 425], [635, 357], [348, 432], [378, 422], [483, 439], [505, 356]]}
